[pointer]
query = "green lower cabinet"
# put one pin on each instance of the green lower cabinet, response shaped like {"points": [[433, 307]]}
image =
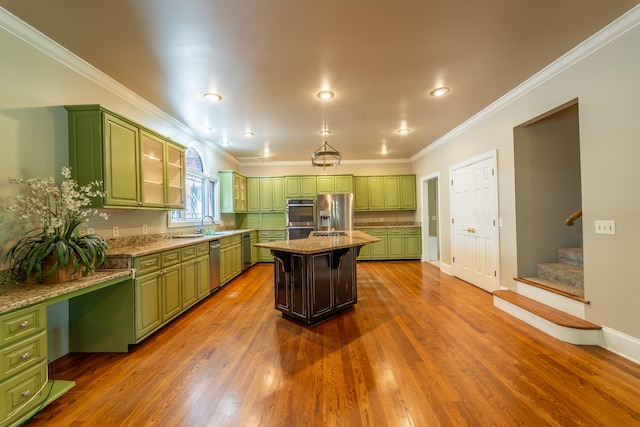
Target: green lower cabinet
{"points": [[266, 236], [230, 258], [147, 296], [395, 243], [202, 277], [189, 284], [170, 295]]}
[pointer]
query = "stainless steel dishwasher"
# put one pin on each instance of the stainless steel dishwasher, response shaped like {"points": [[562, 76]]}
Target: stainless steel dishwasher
{"points": [[246, 251], [214, 265]]}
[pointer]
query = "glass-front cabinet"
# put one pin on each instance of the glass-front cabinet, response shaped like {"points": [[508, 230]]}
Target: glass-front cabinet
{"points": [[138, 168]]}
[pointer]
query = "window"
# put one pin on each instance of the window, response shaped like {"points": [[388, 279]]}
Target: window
{"points": [[200, 189]]}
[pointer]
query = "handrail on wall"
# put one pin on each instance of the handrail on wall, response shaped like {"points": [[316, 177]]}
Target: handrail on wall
{"points": [[577, 214]]}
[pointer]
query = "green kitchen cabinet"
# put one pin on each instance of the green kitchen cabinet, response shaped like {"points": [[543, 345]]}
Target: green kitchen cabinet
{"points": [[266, 236], [413, 243], [279, 200], [408, 198], [255, 252], [170, 293], [233, 192], [138, 168], [376, 199], [365, 251], [378, 250], [254, 193], [189, 284], [272, 194], [384, 193], [147, 297], [230, 258], [300, 186], [360, 193], [329, 184], [202, 271]]}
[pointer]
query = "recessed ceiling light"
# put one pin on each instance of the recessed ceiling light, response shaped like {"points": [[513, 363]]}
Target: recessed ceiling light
{"points": [[403, 131], [224, 143], [325, 95], [439, 91], [207, 129], [247, 133], [213, 97], [383, 151]]}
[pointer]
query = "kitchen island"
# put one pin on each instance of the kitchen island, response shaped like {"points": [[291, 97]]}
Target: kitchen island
{"points": [[315, 278]]}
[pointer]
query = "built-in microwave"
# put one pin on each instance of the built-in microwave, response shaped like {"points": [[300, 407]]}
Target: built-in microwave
{"points": [[301, 213]]}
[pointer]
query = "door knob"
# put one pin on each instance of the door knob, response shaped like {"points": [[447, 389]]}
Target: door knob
{"points": [[470, 230]]}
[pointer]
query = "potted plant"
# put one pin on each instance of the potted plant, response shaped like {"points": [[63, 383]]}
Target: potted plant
{"points": [[56, 245]]}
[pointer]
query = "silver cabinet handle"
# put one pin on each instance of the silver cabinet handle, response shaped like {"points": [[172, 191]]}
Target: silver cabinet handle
{"points": [[26, 393], [24, 324], [25, 356]]}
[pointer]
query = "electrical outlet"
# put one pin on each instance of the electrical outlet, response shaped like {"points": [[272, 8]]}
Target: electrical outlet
{"points": [[82, 231], [115, 231], [145, 230], [605, 227], [90, 230]]}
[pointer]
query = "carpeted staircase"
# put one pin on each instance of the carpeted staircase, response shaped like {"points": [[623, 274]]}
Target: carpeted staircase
{"points": [[566, 274]]}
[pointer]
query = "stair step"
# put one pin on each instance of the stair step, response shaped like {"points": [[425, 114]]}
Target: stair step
{"points": [[567, 291], [544, 311], [562, 273], [573, 256]]}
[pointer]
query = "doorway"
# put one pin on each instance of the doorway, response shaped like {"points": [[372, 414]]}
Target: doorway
{"points": [[474, 216], [431, 219]]}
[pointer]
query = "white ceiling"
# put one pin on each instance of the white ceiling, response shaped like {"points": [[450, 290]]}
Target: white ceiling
{"points": [[269, 58]]}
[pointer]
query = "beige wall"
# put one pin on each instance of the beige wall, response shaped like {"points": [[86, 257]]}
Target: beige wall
{"points": [[355, 168], [606, 84]]}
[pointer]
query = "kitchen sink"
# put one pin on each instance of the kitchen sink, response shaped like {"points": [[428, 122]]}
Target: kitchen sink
{"points": [[188, 236]]}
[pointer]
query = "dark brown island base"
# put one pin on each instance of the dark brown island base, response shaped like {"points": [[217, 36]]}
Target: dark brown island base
{"points": [[315, 278]]}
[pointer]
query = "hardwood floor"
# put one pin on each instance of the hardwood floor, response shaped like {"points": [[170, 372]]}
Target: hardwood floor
{"points": [[419, 349]]}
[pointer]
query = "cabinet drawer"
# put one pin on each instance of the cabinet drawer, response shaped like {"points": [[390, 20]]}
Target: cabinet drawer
{"points": [[146, 264], [236, 239], [170, 258], [22, 323], [378, 232], [279, 234], [412, 230], [21, 355], [225, 242], [21, 388], [188, 253], [395, 231], [264, 234], [202, 249]]}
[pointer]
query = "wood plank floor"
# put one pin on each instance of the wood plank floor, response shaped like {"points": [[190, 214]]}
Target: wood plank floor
{"points": [[419, 349]]}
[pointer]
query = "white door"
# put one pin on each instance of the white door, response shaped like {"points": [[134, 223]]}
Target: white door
{"points": [[474, 223]]}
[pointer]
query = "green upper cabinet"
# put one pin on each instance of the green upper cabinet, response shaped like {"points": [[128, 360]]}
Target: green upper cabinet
{"points": [[360, 193], [233, 192], [139, 168], [265, 194], [329, 184], [384, 193], [300, 186]]}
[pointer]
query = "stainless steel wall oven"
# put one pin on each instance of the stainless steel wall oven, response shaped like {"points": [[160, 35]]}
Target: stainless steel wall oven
{"points": [[301, 218]]}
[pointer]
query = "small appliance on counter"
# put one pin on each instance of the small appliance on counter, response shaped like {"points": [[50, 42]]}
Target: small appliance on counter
{"points": [[334, 212]]}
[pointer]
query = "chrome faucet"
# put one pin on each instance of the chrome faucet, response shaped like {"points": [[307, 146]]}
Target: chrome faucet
{"points": [[201, 229]]}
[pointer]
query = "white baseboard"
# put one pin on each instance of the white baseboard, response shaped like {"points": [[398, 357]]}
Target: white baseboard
{"points": [[446, 268], [559, 302], [621, 344]]}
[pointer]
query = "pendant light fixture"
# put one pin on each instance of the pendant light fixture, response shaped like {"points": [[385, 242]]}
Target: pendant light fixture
{"points": [[326, 155]]}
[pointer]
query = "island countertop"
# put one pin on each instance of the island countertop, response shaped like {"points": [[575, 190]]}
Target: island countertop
{"points": [[322, 243]]}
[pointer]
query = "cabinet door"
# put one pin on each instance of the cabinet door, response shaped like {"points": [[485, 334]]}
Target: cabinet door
{"points": [[291, 186], [175, 176], [266, 194], [391, 192], [408, 192], [308, 186], [366, 249], [378, 250], [226, 191], [189, 284], [254, 194], [147, 298], [395, 244], [325, 184], [236, 259], [279, 203], [343, 184], [360, 193], [170, 297], [202, 277], [121, 163], [255, 255], [321, 292], [239, 193], [345, 279], [152, 170], [413, 243], [376, 194]]}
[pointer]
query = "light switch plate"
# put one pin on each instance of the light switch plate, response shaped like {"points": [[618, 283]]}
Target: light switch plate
{"points": [[605, 227]]}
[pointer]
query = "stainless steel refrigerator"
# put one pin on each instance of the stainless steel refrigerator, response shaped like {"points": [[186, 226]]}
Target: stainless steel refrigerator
{"points": [[334, 212]]}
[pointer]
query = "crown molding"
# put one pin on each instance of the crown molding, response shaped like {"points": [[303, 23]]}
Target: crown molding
{"points": [[343, 162], [611, 32], [23, 31]]}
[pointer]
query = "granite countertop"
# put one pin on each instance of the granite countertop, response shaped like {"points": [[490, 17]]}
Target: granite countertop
{"points": [[18, 295], [138, 249], [318, 244]]}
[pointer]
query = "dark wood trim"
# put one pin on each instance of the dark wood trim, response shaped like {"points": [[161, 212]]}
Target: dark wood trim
{"points": [[550, 289]]}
